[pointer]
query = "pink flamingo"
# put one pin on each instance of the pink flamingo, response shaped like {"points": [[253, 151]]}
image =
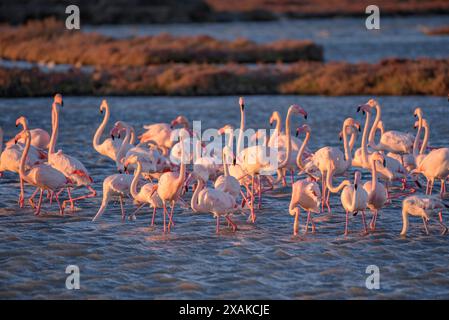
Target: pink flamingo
{"points": [[217, 202], [71, 167], [170, 185], [424, 207], [42, 176]]}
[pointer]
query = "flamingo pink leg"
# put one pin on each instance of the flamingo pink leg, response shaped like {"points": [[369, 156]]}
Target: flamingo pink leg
{"points": [[165, 212], [61, 210], [234, 226], [22, 194], [259, 194], [306, 229], [170, 217], [38, 210], [296, 222], [122, 209], [347, 221], [364, 221], [31, 199], [154, 214], [92, 194]]}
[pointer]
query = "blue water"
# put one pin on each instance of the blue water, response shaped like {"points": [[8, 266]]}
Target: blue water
{"points": [[133, 260], [345, 39]]}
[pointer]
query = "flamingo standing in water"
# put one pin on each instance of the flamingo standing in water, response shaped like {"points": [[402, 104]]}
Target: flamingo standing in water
{"points": [[305, 193], [116, 185], [341, 161], [146, 194], [256, 159], [170, 185], [226, 182], [217, 202], [110, 146], [390, 141], [377, 193], [10, 157], [42, 176], [424, 207], [70, 166]]}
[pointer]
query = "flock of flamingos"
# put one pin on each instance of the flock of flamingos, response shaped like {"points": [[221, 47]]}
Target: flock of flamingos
{"points": [[149, 174]]}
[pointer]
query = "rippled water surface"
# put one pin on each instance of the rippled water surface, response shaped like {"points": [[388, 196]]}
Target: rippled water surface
{"points": [[344, 39], [132, 260]]}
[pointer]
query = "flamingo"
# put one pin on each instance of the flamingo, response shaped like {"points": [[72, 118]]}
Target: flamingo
{"points": [[255, 159], [170, 184], [10, 157], [161, 133], [377, 193], [110, 146], [226, 182], [424, 207], [146, 194], [390, 141], [353, 198], [217, 202], [342, 162], [70, 166], [116, 185], [435, 165], [39, 139], [41, 175]]}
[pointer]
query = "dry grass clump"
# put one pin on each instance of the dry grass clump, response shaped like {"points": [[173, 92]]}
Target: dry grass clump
{"points": [[48, 40], [438, 31], [389, 77]]}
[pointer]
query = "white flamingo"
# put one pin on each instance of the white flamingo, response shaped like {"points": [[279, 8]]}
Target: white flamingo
{"points": [[377, 193], [70, 166], [217, 202], [424, 207]]}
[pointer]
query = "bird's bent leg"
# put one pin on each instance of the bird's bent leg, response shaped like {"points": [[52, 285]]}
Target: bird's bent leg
{"points": [[425, 225], [232, 223], [323, 193], [364, 221], [431, 187], [259, 193], [443, 187], [122, 209], [31, 199], [38, 210], [440, 221], [61, 210], [92, 194], [327, 201]]}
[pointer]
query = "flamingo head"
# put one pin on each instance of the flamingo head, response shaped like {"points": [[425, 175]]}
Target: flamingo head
{"points": [[242, 103], [304, 128], [130, 160], [225, 129], [372, 103], [274, 117], [58, 99], [22, 121], [377, 156], [298, 110], [179, 120], [418, 113], [350, 122], [357, 179], [364, 108], [104, 106]]}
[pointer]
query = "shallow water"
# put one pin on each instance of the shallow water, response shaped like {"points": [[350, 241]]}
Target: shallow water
{"points": [[345, 39], [131, 260]]}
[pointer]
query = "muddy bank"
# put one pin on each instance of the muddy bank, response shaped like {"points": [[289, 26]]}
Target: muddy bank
{"points": [[49, 40], [389, 77], [437, 31]]}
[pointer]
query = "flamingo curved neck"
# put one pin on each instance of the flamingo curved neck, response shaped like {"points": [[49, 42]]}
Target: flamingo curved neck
{"points": [[426, 139], [329, 176], [225, 163], [289, 140], [373, 130], [55, 129], [301, 151], [122, 149], [100, 130], [133, 187], [194, 201], [404, 220], [23, 160], [132, 140], [364, 138], [182, 170], [348, 154], [242, 128]]}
